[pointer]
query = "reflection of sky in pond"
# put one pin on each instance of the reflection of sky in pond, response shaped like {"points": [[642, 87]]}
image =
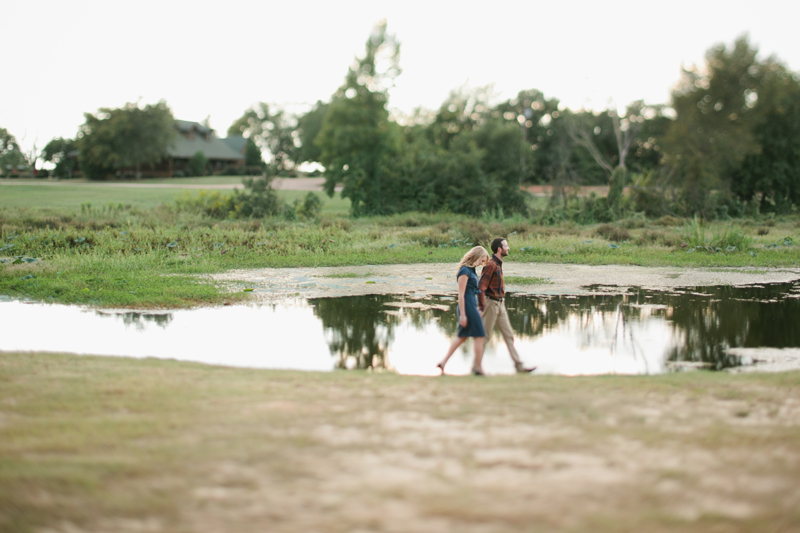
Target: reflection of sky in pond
{"points": [[567, 349], [261, 337], [638, 332]]}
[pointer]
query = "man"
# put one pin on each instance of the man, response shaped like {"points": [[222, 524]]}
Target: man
{"points": [[491, 300]]}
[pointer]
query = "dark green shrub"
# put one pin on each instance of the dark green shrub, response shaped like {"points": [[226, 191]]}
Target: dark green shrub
{"points": [[516, 227], [636, 221], [477, 232], [650, 237], [198, 163], [211, 203], [258, 200], [613, 233], [669, 220], [672, 240], [310, 208], [341, 223]]}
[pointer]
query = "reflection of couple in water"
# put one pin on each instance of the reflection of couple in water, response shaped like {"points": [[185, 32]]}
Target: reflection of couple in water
{"points": [[481, 304]]}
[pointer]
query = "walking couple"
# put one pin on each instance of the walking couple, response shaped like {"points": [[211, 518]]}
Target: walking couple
{"points": [[481, 304]]}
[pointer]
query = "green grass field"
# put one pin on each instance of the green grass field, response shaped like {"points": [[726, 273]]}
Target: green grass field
{"points": [[72, 196], [133, 247]]}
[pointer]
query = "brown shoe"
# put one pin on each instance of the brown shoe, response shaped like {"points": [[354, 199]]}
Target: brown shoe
{"points": [[525, 369]]}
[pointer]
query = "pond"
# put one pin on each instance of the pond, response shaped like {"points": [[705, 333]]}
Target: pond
{"points": [[635, 331]]}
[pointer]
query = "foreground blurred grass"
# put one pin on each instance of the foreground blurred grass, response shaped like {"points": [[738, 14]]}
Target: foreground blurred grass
{"points": [[113, 444], [130, 247]]}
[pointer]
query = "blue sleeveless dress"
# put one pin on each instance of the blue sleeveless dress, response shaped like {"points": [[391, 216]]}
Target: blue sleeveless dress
{"points": [[474, 323]]}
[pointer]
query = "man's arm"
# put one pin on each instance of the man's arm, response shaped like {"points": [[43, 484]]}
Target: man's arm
{"points": [[486, 278]]}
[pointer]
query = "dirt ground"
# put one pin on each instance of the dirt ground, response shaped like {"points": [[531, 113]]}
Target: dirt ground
{"points": [[234, 450], [274, 284]]}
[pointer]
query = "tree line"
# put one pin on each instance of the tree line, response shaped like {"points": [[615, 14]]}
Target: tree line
{"points": [[727, 143]]}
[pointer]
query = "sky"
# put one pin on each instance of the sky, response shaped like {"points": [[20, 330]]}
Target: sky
{"points": [[63, 59]]}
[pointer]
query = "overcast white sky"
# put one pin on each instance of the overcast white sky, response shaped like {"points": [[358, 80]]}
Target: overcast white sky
{"points": [[61, 59]]}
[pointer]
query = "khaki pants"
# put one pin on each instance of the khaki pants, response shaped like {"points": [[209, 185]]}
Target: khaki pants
{"points": [[494, 313]]}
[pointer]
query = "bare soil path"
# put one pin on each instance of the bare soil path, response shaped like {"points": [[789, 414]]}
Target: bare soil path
{"points": [[437, 278]]}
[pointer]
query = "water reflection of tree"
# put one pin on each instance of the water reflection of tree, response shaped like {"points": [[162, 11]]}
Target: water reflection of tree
{"points": [[706, 320], [357, 327], [531, 316], [712, 319], [138, 320], [362, 327]]}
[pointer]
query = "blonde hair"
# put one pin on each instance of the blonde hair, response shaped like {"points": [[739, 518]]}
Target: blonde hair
{"points": [[473, 257]]}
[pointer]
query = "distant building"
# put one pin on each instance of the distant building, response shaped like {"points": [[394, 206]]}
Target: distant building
{"points": [[193, 137]]}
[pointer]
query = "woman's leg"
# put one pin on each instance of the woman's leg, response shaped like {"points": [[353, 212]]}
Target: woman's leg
{"points": [[458, 341], [479, 344]]}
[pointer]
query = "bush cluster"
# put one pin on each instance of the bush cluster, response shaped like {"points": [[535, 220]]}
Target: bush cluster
{"points": [[258, 200]]}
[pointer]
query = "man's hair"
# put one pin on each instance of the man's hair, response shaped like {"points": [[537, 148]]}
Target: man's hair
{"points": [[497, 244]]}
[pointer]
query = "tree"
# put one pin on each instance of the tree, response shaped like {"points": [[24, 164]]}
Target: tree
{"points": [[61, 152], [252, 154], [126, 138], [716, 109], [270, 128], [308, 128], [773, 174], [540, 124], [357, 140], [464, 110], [10, 154]]}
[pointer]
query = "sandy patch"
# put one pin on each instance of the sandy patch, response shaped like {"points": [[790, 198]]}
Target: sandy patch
{"points": [[277, 284]]}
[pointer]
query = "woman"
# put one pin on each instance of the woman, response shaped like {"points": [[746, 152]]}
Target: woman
{"points": [[469, 319]]}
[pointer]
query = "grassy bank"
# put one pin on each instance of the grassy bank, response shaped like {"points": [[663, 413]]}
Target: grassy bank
{"points": [[110, 444], [131, 247]]}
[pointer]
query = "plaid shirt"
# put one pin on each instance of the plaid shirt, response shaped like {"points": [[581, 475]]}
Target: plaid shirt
{"points": [[491, 283]]}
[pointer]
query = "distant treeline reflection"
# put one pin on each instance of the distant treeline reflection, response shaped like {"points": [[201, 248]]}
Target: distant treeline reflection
{"points": [[138, 319], [705, 321]]}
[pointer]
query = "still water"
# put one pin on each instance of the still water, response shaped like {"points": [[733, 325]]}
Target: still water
{"points": [[637, 332]]}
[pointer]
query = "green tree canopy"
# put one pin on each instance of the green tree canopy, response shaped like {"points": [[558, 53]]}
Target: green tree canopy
{"points": [[772, 175], [125, 138], [357, 140], [308, 127], [252, 154], [61, 152], [271, 128], [10, 154], [717, 109]]}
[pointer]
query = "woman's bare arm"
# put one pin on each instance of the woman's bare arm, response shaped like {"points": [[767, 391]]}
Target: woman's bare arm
{"points": [[462, 289]]}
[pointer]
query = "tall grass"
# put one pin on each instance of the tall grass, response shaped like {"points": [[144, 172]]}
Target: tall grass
{"points": [[696, 234]]}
